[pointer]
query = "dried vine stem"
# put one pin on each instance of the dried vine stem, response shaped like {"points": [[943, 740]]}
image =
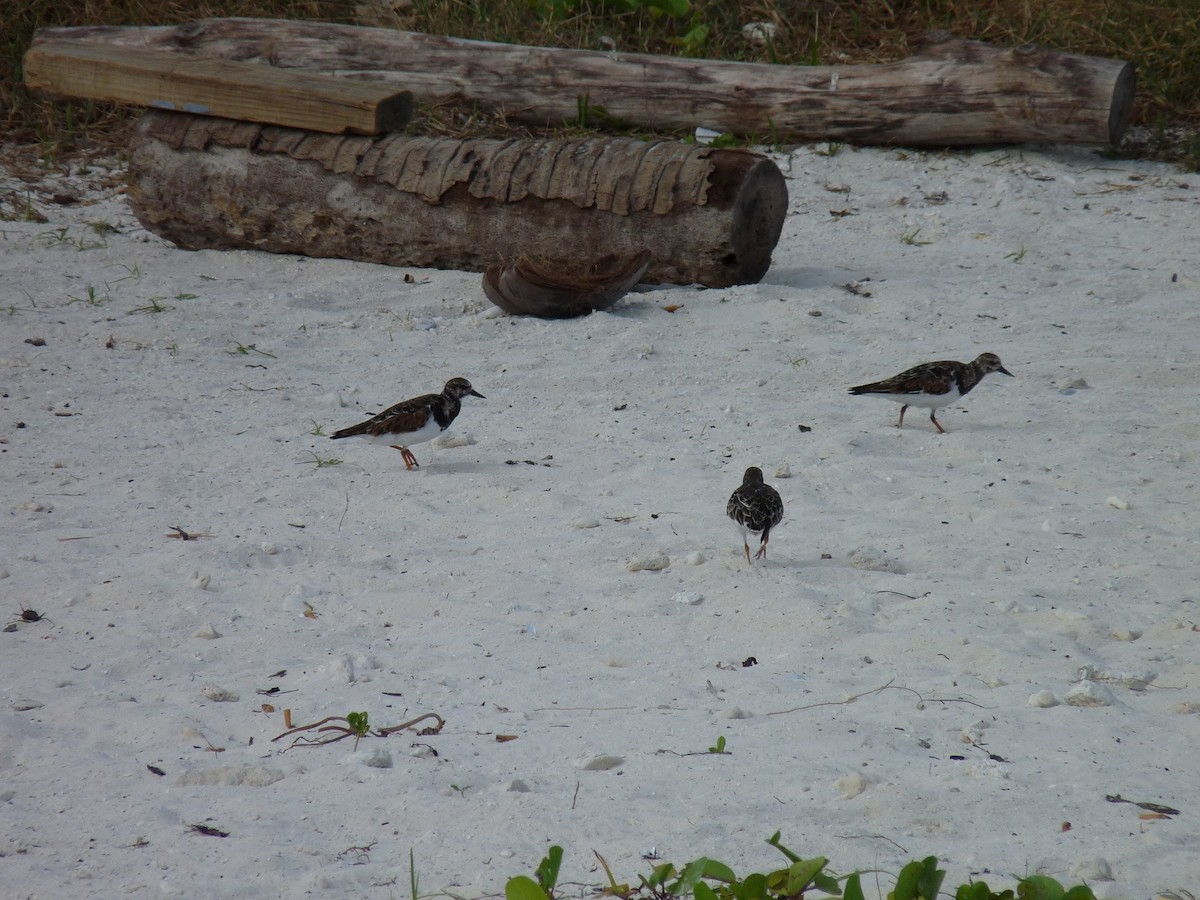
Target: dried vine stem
{"points": [[921, 699]]}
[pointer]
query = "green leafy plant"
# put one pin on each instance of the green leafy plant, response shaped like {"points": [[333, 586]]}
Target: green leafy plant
{"points": [[710, 879], [152, 306], [719, 747], [92, 297], [522, 887], [246, 349], [321, 462], [359, 723], [910, 238]]}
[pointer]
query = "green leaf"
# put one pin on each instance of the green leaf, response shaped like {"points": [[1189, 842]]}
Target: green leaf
{"points": [[698, 869], [823, 881], [853, 889], [930, 881], [658, 876], [1039, 887], [695, 40], [703, 892], [1079, 892], [801, 874], [547, 870], [774, 842], [906, 883], [522, 887], [358, 722], [754, 887]]}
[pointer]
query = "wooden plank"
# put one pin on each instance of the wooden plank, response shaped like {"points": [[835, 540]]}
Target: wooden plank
{"points": [[235, 90]]}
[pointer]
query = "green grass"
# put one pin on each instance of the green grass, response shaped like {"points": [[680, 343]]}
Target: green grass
{"points": [[1158, 37]]}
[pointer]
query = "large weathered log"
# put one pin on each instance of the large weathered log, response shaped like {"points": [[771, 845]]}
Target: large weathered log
{"points": [[706, 216], [955, 92]]}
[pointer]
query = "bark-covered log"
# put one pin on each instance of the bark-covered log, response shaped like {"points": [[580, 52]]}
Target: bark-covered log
{"points": [[954, 92], [706, 216]]}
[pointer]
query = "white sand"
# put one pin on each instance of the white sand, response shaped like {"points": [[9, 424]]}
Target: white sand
{"points": [[1046, 545]]}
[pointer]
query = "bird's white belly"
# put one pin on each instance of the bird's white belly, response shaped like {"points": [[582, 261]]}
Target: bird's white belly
{"points": [[927, 401], [426, 432]]}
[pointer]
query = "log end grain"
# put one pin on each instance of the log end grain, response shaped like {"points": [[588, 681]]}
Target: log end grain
{"points": [[756, 192]]}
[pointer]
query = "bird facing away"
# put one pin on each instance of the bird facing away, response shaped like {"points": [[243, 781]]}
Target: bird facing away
{"points": [[755, 507], [414, 421], [933, 384]]}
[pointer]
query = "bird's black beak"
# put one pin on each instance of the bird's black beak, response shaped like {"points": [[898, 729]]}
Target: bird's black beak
{"points": [[1006, 372], [475, 393]]}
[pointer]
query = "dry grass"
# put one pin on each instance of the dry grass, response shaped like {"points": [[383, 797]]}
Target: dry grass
{"points": [[1155, 35]]}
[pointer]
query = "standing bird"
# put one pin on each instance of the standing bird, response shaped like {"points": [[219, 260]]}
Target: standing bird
{"points": [[755, 507], [414, 421], [933, 384]]}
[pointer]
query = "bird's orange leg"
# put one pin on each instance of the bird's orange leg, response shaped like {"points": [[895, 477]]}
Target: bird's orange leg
{"points": [[903, 410], [747, 546], [933, 419], [410, 461]]}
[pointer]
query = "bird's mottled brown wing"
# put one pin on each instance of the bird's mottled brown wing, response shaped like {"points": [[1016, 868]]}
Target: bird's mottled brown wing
{"points": [[404, 417], [928, 378]]}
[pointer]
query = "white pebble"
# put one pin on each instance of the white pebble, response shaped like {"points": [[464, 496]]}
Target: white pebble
{"points": [[207, 633], [585, 522], [736, 712], [694, 558], [1117, 503], [200, 582], [691, 598], [759, 33], [651, 561], [783, 470], [218, 694], [268, 548], [1042, 700], [1088, 693]]}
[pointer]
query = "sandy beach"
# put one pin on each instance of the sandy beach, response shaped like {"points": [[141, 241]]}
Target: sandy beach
{"points": [[973, 645]]}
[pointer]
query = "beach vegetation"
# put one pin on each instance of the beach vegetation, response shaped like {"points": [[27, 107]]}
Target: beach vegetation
{"points": [[709, 879]]}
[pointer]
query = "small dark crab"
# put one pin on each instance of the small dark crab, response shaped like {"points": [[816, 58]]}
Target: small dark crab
{"points": [[28, 616]]}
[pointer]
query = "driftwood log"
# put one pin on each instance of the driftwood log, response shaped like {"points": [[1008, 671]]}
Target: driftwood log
{"points": [[706, 216], [952, 93], [216, 87]]}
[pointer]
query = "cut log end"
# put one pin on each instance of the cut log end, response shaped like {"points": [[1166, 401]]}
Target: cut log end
{"points": [[1122, 104]]}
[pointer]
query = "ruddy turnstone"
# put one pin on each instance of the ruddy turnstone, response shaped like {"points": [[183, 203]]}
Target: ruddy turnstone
{"points": [[755, 507], [414, 421], [933, 384]]}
